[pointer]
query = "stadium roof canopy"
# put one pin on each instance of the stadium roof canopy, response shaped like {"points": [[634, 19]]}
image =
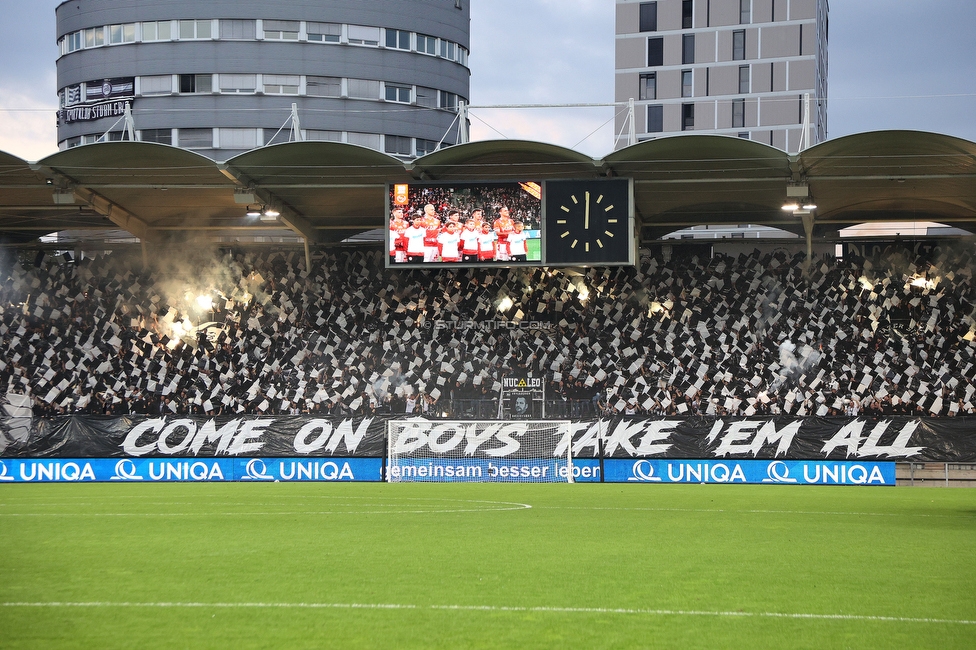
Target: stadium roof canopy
{"points": [[328, 191]]}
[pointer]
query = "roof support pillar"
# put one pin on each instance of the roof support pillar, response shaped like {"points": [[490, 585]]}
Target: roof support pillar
{"points": [[808, 222]]}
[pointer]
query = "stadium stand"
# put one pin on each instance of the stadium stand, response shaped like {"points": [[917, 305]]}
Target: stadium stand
{"points": [[242, 331]]}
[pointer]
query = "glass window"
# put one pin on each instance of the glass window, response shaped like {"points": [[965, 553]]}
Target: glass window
{"points": [[448, 50], [238, 29], [156, 84], [157, 31], [744, 79], [281, 84], [745, 12], [196, 138], [324, 32], [196, 83], [686, 84], [449, 100], [238, 138], [687, 49], [121, 33], [687, 14], [655, 119], [190, 29], [74, 41], [237, 83], [648, 86], [398, 38], [426, 97], [739, 45], [323, 86], [655, 52], [425, 147], [648, 17], [95, 37], [426, 44], [162, 136], [738, 113], [281, 30], [687, 117], [364, 89], [371, 140], [398, 93], [360, 35], [399, 145]]}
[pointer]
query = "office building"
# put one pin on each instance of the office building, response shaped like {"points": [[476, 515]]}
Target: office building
{"points": [[221, 77], [742, 68]]}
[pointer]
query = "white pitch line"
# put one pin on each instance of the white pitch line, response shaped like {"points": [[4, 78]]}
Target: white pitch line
{"points": [[494, 608], [758, 512], [277, 513]]}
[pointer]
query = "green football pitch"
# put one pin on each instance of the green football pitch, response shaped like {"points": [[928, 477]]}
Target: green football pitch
{"points": [[485, 566]]}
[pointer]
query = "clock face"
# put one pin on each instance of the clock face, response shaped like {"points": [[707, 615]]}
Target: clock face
{"points": [[589, 222]]}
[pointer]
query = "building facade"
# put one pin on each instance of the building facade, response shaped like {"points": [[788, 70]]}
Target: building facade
{"points": [[733, 67], [221, 77]]}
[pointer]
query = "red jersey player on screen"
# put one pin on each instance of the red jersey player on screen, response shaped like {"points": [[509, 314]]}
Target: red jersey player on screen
{"points": [[432, 223], [503, 226], [398, 243]]}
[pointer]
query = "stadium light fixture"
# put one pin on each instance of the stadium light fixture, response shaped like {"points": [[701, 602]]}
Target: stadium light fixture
{"points": [[791, 206], [253, 211], [270, 213]]}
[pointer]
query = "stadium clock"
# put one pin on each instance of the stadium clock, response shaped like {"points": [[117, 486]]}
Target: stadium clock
{"points": [[589, 222]]}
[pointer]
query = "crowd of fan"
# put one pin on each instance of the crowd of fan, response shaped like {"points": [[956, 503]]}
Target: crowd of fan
{"points": [[259, 333]]}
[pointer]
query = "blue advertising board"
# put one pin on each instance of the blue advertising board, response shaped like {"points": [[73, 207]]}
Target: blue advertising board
{"points": [[154, 470], [781, 472]]}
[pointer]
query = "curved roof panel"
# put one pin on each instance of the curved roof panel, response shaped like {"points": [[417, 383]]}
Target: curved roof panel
{"points": [[891, 175], [505, 160]]}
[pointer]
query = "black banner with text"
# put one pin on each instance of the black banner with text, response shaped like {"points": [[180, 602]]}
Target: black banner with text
{"points": [[891, 439]]}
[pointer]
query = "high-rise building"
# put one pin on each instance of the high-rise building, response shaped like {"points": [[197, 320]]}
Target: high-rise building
{"points": [[221, 76], [734, 67]]}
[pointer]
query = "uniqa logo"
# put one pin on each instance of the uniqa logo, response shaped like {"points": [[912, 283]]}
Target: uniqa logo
{"points": [[256, 471], [3, 473], [643, 471], [778, 472], [125, 470]]}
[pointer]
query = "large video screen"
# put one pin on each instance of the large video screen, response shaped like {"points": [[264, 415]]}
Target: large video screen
{"points": [[465, 224]]}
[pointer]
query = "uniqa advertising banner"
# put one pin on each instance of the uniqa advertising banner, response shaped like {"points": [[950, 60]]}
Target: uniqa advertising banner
{"points": [[199, 470], [782, 472]]}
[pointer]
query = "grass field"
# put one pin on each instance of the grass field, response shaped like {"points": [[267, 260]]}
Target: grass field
{"points": [[485, 566]]}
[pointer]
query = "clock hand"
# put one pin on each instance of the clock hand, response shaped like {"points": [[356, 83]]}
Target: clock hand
{"points": [[586, 221]]}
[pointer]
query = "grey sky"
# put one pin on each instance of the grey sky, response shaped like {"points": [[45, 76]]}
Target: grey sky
{"points": [[893, 64]]}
